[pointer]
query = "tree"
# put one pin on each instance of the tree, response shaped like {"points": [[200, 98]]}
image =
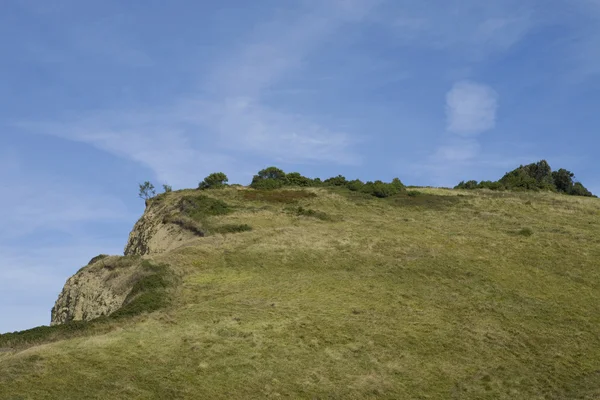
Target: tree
{"points": [[167, 188], [214, 180], [295, 179], [563, 180], [270, 178], [272, 173], [397, 183], [147, 190], [580, 190], [336, 181], [355, 185]]}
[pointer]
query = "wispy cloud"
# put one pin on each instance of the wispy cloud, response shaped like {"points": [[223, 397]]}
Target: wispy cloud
{"points": [[471, 108], [228, 123], [471, 27]]}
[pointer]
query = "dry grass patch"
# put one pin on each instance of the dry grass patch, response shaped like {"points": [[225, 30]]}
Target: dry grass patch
{"points": [[278, 196]]}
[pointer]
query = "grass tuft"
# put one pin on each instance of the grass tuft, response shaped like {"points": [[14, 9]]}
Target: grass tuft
{"points": [[307, 212], [525, 232], [233, 228]]}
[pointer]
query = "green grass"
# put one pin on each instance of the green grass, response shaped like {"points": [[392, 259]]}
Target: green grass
{"points": [[149, 292], [278, 196], [429, 296], [200, 207]]}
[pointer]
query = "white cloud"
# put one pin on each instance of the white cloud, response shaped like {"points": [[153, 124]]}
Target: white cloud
{"points": [[471, 108]]}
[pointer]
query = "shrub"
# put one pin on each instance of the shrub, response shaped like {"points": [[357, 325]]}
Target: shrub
{"points": [[525, 232], [167, 188], [295, 179], [200, 207], [307, 212], [233, 228], [336, 181], [380, 189], [355, 185], [397, 183], [579, 190], [266, 184], [469, 185], [269, 178], [272, 173], [215, 180]]}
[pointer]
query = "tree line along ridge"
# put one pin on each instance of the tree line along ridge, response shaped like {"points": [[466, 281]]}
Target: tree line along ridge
{"points": [[532, 177]]}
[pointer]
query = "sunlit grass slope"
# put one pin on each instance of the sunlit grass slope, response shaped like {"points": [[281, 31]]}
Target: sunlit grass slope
{"points": [[335, 295]]}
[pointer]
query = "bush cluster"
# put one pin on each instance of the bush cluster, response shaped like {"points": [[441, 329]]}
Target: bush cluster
{"points": [[275, 178], [216, 180], [535, 176]]}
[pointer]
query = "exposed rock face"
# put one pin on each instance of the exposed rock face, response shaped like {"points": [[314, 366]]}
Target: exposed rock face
{"points": [[102, 286], [96, 290], [151, 235]]}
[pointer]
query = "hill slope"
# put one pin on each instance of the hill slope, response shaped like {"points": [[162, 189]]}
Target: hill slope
{"points": [[333, 294]]}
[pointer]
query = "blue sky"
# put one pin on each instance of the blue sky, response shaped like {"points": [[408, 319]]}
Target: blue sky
{"points": [[97, 96]]}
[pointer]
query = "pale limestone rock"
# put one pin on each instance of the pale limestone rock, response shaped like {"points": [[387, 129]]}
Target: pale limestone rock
{"points": [[96, 290], [151, 235]]}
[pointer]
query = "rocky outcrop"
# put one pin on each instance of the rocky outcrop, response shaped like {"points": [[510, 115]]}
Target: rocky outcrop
{"points": [[152, 235], [102, 287], [98, 289]]}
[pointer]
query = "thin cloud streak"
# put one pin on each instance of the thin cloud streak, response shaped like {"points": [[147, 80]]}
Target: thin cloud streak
{"points": [[471, 108]]}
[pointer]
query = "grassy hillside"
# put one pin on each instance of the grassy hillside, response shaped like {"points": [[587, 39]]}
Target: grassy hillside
{"points": [[437, 294]]}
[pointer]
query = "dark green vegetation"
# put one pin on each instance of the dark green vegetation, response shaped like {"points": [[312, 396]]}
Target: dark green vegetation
{"points": [[147, 190], [149, 293], [536, 176], [274, 178], [215, 180], [194, 213], [233, 228]]}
